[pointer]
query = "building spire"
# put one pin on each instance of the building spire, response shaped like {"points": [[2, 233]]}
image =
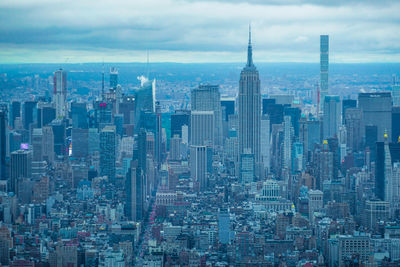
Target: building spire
{"points": [[250, 51]]}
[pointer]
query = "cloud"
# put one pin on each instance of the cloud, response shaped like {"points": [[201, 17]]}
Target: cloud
{"points": [[184, 31]]}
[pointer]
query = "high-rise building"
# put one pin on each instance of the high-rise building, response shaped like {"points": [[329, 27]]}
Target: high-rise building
{"points": [[79, 115], [247, 167], [395, 124], [377, 110], [135, 192], [332, 116], [48, 144], [198, 166], [144, 100], [45, 114], [3, 144], [80, 139], [207, 98], [265, 143], [202, 128], [324, 69], [224, 226], [60, 93], [113, 78], [15, 112], [107, 152], [178, 119], [37, 144], [20, 168], [29, 114], [346, 104], [383, 160], [287, 142], [353, 122], [249, 107]]}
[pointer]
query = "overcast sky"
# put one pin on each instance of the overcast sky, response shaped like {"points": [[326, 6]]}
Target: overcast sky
{"points": [[197, 31]]}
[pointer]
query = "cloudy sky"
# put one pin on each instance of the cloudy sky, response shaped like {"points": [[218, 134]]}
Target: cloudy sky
{"points": [[197, 30]]}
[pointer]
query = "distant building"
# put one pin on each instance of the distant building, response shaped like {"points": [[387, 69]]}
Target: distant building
{"points": [[60, 93], [332, 116], [324, 69], [107, 152], [377, 111]]}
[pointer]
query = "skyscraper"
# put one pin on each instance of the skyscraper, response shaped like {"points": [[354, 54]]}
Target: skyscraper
{"points": [[249, 107], [202, 128], [113, 78], [15, 112], [20, 168], [198, 165], [107, 152], [135, 192], [60, 92], [324, 68], [332, 115], [377, 110], [144, 100], [3, 145], [29, 113], [207, 98], [178, 119]]}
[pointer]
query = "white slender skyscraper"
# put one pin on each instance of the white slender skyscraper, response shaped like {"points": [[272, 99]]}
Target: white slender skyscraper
{"points": [[249, 107]]}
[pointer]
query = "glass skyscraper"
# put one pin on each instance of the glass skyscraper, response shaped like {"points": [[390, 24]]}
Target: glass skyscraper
{"points": [[324, 68]]}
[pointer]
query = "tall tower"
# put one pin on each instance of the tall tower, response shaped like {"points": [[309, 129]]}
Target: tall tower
{"points": [[324, 68], [60, 92], [249, 107]]}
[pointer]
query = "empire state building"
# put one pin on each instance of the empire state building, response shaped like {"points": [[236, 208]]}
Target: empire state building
{"points": [[249, 108]]}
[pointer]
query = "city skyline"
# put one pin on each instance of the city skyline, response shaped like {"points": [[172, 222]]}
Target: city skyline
{"points": [[191, 31]]}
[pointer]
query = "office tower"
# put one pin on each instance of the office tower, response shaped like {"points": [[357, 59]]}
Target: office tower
{"points": [[247, 167], [287, 142], [297, 157], [383, 160], [377, 110], [388, 176], [15, 112], [79, 115], [207, 98], [224, 226], [324, 69], [160, 149], [396, 94], [310, 134], [332, 115], [127, 108], [249, 107], [113, 78], [175, 144], [144, 100], [93, 141], [346, 104], [58, 127], [265, 143], [107, 152], [119, 124], [37, 144], [315, 202], [395, 124], [80, 139], [103, 114], [20, 168], [45, 114], [48, 144], [60, 93], [135, 197], [198, 166], [3, 144], [324, 160], [202, 127], [273, 110], [228, 107], [353, 123], [295, 114], [178, 119], [29, 114]]}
